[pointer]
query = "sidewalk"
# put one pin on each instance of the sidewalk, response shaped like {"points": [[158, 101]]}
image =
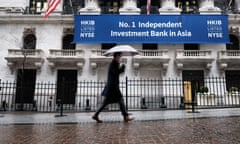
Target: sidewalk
{"points": [[21, 118]]}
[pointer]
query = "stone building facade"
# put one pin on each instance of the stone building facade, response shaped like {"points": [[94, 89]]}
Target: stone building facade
{"points": [[42, 50]]}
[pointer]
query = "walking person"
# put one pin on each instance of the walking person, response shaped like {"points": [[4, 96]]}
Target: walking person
{"points": [[112, 91]]}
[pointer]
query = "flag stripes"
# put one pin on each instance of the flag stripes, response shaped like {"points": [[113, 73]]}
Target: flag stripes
{"points": [[148, 6], [52, 4]]}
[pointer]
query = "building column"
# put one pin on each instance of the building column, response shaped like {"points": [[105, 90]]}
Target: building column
{"points": [[91, 7], [208, 7], [129, 7], [237, 3], [91, 4], [168, 7]]}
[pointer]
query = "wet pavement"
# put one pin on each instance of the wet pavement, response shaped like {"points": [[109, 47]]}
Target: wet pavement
{"points": [[221, 126]]}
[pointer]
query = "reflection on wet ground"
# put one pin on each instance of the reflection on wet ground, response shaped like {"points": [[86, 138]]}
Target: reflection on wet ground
{"points": [[221, 130]]}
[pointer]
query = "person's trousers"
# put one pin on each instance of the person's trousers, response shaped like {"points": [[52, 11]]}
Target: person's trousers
{"points": [[121, 106]]}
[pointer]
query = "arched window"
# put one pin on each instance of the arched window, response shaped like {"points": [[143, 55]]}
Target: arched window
{"points": [[234, 43], [29, 42], [68, 42]]}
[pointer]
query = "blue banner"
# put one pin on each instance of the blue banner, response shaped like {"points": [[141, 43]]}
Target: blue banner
{"points": [[168, 29]]}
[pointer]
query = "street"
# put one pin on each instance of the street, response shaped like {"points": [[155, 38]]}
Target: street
{"points": [[212, 130]]}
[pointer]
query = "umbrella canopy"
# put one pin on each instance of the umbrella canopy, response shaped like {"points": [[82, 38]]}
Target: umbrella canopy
{"points": [[125, 50]]}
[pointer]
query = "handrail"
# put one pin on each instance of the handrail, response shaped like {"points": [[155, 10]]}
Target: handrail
{"points": [[195, 53], [229, 53], [65, 52], [152, 52], [25, 52]]}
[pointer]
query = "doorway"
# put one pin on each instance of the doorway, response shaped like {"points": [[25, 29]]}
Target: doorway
{"points": [[67, 86], [234, 43], [232, 79], [195, 77], [25, 89]]}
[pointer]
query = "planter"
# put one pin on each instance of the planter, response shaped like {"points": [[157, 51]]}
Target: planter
{"points": [[232, 98], [206, 99]]}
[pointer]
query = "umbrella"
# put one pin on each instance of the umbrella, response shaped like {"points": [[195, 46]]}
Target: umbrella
{"points": [[125, 50]]}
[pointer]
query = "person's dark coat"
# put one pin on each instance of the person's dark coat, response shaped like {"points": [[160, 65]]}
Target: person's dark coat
{"points": [[111, 90]]}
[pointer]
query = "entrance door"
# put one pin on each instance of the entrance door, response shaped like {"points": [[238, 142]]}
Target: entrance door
{"points": [[196, 77], [25, 86], [232, 79], [67, 86]]}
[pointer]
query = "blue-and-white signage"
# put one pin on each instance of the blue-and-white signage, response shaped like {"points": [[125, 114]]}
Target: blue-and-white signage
{"points": [[151, 29]]}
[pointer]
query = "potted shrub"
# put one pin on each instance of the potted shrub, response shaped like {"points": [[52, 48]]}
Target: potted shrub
{"points": [[202, 95], [233, 89], [203, 89], [232, 96]]}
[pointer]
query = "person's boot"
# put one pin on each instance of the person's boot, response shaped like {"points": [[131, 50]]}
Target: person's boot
{"points": [[95, 117], [128, 118]]}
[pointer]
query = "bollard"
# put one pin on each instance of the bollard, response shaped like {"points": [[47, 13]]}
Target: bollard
{"points": [[88, 107], [60, 105], [4, 105], [50, 102], [34, 108], [193, 104], [163, 103], [182, 105], [143, 103]]}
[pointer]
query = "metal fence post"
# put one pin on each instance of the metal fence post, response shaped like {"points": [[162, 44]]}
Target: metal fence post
{"points": [[61, 100], [126, 93], [88, 107], [0, 90], [182, 105], [143, 103], [163, 103], [193, 101]]}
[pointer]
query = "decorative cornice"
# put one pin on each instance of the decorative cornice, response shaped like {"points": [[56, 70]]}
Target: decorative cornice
{"points": [[234, 18], [36, 19], [65, 19]]}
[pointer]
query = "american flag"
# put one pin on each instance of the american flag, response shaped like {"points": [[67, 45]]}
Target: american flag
{"points": [[52, 4], [148, 6]]}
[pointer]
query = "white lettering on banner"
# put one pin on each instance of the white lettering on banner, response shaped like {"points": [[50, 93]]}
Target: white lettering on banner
{"points": [[214, 28], [87, 35], [159, 34], [167, 32], [87, 22], [215, 35], [154, 28], [160, 25], [151, 33], [214, 22], [87, 28], [123, 25], [129, 34], [184, 33]]}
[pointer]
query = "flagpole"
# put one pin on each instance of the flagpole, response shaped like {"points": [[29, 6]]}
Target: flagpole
{"points": [[71, 5], [148, 6]]}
